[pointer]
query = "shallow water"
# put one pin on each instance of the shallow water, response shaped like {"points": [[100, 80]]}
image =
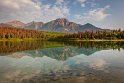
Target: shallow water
{"points": [[70, 62]]}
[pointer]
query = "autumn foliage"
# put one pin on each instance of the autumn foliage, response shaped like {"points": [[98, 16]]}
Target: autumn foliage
{"points": [[12, 32]]}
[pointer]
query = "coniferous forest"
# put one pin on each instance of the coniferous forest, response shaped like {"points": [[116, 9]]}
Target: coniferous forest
{"points": [[90, 35], [10, 32]]}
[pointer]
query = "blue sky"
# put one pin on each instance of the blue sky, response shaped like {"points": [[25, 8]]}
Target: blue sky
{"points": [[102, 13]]}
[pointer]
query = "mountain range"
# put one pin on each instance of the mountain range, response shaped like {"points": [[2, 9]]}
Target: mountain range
{"points": [[58, 25]]}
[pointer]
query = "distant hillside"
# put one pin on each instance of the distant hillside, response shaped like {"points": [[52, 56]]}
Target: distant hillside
{"points": [[89, 27], [58, 25], [33, 25], [2, 25], [16, 23]]}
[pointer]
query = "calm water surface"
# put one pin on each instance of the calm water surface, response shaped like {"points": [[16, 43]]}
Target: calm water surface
{"points": [[70, 62]]}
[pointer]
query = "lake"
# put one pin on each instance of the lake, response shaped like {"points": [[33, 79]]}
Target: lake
{"points": [[61, 62]]}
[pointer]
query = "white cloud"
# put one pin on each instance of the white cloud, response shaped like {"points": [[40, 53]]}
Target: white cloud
{"points": [[49, 13], [24, 10], [59, 2], [97, 14], [81, 2], [28, 10]]}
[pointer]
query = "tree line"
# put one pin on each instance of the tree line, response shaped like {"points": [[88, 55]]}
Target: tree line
{"points": [[108, 35], [11, 32]]}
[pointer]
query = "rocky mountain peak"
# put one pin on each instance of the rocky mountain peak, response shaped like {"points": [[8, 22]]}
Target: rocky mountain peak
{"points": [[89, 25], [58, 25], [16, 23], [62, 21]]}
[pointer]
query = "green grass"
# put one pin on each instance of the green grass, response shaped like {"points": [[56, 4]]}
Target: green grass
{"points": [[11, 39], [35, 39], [53, 33]]}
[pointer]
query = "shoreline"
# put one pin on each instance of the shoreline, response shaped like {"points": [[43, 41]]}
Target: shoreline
{"points": [[99, 40], [39, 39]]}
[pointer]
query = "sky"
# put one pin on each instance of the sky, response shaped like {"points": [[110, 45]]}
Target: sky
{"points": [[107, 14]]}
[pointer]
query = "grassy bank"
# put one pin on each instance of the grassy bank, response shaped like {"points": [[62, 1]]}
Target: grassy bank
{"points": [[77, 39], [99, 40], [42, 39]]}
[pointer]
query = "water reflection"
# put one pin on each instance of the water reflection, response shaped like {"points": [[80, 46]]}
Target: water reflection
{"points": [[52, 62], [65, 49], [98, 64]]}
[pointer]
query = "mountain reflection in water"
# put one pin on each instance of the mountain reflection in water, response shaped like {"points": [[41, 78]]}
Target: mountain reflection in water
{"points": [[63, 62]]}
